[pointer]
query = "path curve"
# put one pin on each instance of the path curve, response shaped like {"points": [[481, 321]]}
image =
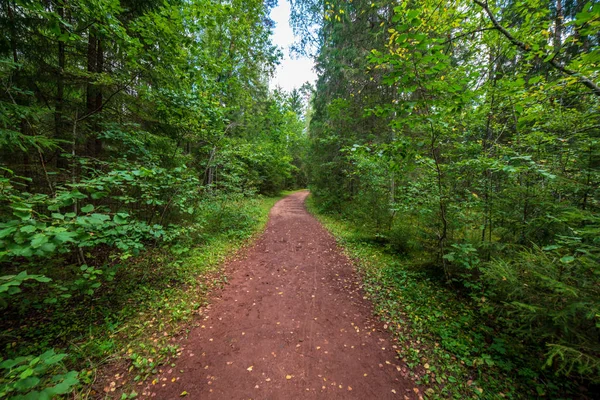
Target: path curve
{"points": [[291, 324]]}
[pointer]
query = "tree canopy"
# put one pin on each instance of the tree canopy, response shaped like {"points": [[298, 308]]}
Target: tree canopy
{"points": [[125, 125], [465, 136]]}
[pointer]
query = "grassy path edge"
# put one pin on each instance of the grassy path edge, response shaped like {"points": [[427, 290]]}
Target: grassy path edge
{"points": [[415, 310], [148, 341]]}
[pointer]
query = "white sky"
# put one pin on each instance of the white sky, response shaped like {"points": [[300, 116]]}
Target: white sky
{"points": [[290, 73]]}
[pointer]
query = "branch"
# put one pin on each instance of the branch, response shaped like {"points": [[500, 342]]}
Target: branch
{"points": [[587, 82], [119, 90], [468, 33]]}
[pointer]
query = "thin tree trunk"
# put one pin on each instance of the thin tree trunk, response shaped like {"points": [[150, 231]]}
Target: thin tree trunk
{"points": [[60, 90], [99, 98], [13, 30], [91, 68], [93, 94], [558, 26], [442, 236]]}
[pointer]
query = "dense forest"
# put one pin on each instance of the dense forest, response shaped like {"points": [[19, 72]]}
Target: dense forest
{"points": [[460, 139], [464, 137], [125, 126]]}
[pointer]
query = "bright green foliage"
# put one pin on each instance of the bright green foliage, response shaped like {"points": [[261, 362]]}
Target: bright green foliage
{"points": [[125, 127], [465, 136], [9, 285], [35, 377]]}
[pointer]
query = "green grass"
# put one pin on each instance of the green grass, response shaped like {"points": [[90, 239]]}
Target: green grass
{"points": [[445, 337], [132, 319]]}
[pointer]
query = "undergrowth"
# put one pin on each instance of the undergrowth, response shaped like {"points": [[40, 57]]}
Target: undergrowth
{"points": [[450, 341], [132, 319]]}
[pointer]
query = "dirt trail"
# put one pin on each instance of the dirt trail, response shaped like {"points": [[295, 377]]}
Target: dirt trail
{"points": [[292, 324]]}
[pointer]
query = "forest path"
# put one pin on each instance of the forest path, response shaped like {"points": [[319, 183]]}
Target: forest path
{"points": [[291, 324]]}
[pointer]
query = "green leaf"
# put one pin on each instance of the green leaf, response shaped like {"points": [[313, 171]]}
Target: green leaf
{"points": [[120, 218], [55, 358], [27, 373], [12, 290], [64, 237], [8, 364], [48, 247], [43, 395], [38, 240], [23, 214], [27, 383], [87, 209], [7, 231], [567, 259], [97, 219], [28, 228], [40, 278], [98, 195], [62, 388]]}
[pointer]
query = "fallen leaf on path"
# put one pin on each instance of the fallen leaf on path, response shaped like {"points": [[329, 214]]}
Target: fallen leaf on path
{"points": [[250, 368], [184, 393], [288, 377]]}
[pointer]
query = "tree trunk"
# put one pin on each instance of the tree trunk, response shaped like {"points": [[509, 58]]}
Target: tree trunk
{"points": [[95, 65], [60, 90], [558, 24]]}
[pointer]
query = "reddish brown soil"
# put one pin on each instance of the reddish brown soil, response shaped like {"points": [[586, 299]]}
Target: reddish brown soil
{"points": [[292, 324]]}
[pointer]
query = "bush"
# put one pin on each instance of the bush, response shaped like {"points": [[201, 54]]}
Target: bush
{"points": [[547, 295], [35, 378]]}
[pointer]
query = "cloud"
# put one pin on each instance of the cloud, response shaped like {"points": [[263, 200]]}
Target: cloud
{"points": [[291, 73]]}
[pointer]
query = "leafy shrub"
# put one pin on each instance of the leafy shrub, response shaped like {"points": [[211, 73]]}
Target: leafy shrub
{"points": [[35, 378], [551, 295]]}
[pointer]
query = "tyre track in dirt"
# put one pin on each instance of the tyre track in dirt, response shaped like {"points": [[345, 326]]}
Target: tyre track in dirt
{"points": [[291, 324]]}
